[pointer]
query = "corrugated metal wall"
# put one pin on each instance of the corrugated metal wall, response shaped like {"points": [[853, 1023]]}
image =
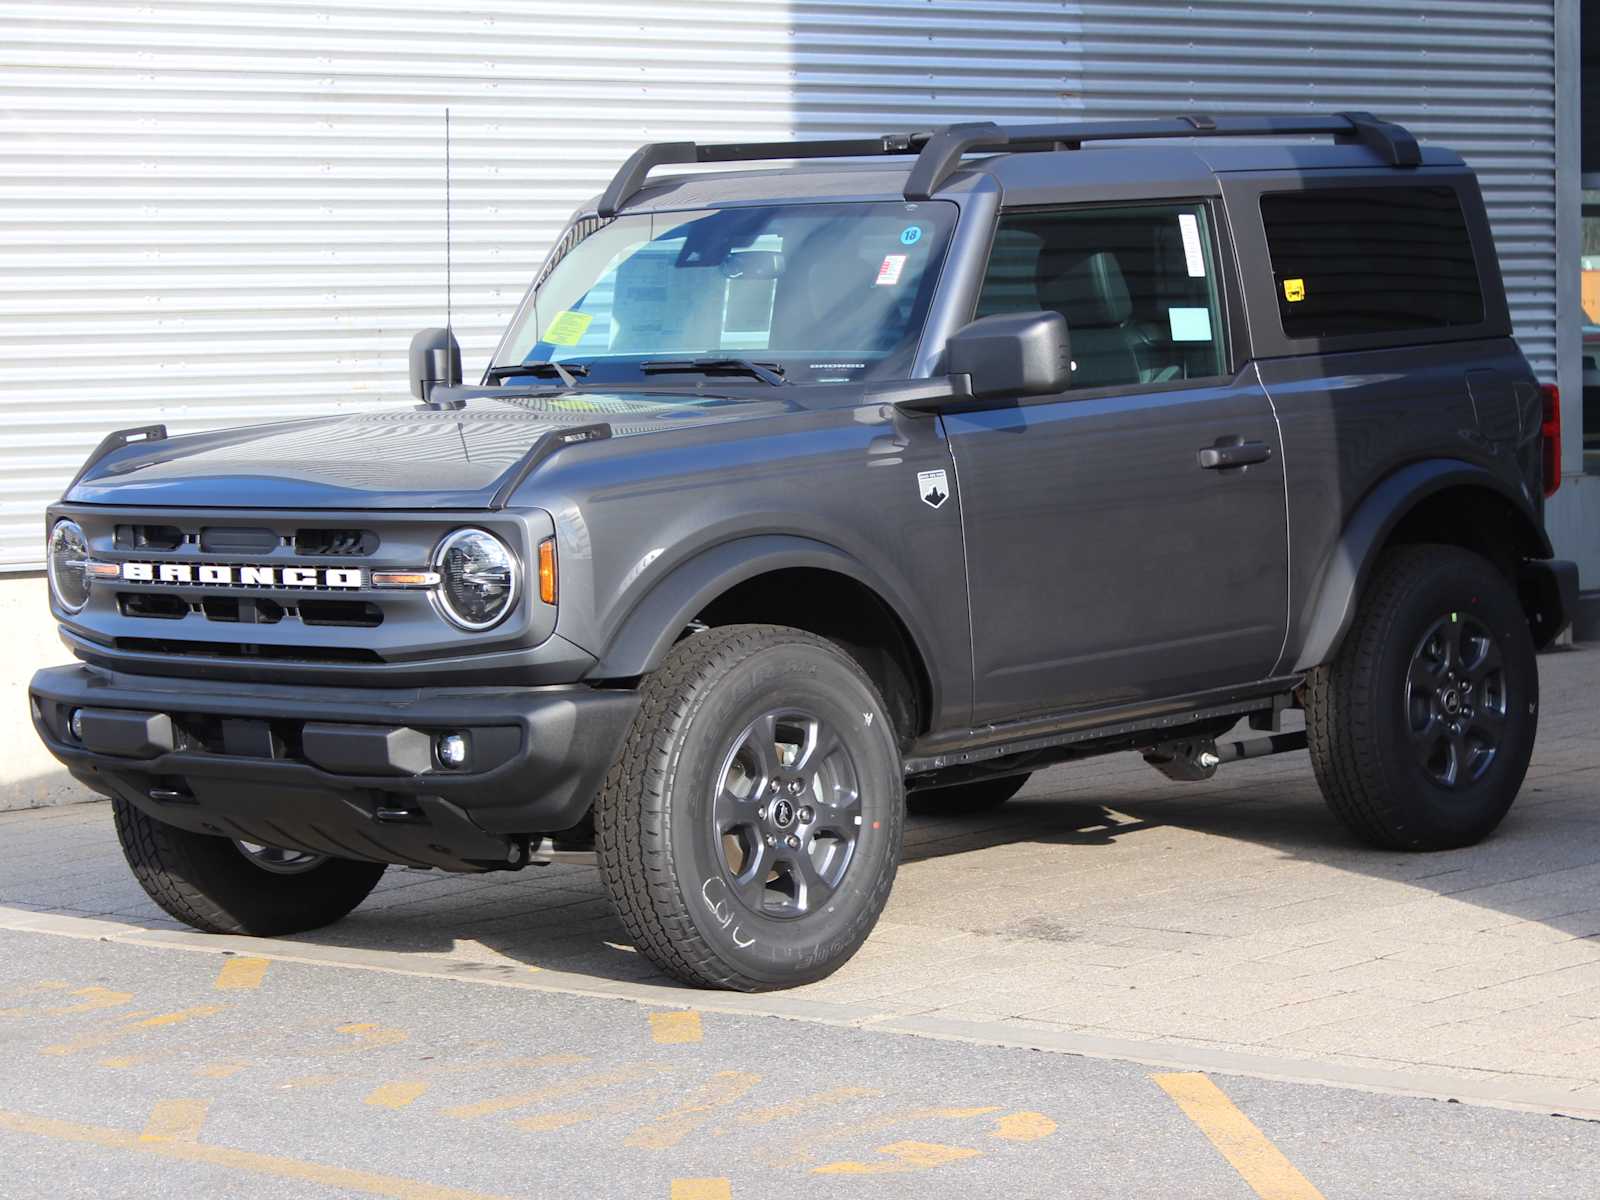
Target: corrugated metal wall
{"points": [[216, 212]]}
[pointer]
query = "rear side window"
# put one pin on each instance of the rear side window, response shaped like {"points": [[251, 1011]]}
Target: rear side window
{"points": [[1351, 260]]}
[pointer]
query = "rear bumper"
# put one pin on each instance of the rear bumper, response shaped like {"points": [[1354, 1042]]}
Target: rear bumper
{"points": [[352, 772]]}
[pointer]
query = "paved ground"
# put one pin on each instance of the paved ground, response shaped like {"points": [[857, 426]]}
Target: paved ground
{"points": [[1227, 927], [138, 1070]]}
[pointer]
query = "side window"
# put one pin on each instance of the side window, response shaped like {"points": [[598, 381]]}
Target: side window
{"points": [[1354, 260], [1137, 285]]}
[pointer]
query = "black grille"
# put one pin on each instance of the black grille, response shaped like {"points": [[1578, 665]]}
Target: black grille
{"points": [[351, 654], [330, 542]]}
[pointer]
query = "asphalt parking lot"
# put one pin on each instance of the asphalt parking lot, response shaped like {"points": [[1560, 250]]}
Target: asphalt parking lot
{"points": [[1118, 985]]}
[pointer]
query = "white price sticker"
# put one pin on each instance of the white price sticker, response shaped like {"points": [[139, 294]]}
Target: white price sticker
{"points": [[1189, 226]]}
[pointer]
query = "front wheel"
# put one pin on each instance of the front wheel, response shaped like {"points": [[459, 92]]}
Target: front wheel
{"points": [[218, 885], [1422, 726], [750, 830]]}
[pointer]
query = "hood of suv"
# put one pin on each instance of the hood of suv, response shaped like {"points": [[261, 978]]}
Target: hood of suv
{"points": [[402, 458]]}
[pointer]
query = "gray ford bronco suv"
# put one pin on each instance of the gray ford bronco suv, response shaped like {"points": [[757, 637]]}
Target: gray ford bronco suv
{"points": [[797, 495]]}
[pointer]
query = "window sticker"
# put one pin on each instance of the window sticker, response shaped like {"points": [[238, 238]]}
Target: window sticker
{"points": [[889, 272], [568, 328], [911, 235], [1190, 324], [1294, 290], [1189, 227]]}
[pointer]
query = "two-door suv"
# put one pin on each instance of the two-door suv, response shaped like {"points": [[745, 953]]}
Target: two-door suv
{"points": [[793, 493]]}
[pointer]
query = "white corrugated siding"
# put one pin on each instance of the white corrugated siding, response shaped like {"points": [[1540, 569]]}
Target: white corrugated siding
{"points": [[216, 212]]}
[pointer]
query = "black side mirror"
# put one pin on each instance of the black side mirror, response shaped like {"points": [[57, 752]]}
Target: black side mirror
{"points": [[1013, 354], [435, 362]]}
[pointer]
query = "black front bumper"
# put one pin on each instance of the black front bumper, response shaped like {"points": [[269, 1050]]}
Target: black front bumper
{"points": [[352, 772]]}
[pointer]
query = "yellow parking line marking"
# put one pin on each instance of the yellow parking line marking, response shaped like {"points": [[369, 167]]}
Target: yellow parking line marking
{"points": [[241, 973], [1023, 1127], [806, 1147], [778, 1112], [667, 1130], [395, 1095], [556, 1091], [94, 999], [702, 1189], [675, 1028], [369, 1037], [564, 1119], [223, 1070], [93, 1041], [902, 1156], [175, 1121], [1259, 1163], [243, 1161]]}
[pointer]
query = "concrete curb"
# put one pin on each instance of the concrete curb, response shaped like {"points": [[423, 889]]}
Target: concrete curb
{"points": [[1513, 1093]]}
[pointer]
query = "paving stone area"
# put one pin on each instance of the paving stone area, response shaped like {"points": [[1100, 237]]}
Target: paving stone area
{"points": [[1109, 901]]}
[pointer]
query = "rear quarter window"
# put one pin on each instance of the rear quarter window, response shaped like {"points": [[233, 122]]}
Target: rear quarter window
{"points": [[1349, 261]]}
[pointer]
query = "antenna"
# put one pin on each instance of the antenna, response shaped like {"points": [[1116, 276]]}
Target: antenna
{"points": [[447, 323]]}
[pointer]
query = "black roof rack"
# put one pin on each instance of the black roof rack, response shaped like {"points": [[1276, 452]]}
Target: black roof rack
{"points": [[939, 151]]}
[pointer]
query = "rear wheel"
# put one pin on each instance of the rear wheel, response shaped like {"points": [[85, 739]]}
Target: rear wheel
{"points": [[963, 799], [750, 830], [218, 885], [1422, 726]]}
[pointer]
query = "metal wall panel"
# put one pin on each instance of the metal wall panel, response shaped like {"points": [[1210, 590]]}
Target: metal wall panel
{"points": [[224, 211]]}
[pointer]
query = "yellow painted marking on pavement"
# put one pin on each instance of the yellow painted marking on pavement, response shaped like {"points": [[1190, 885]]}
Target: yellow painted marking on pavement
{"points": [[94, 999], [675, 1028], [395, 1095], [702, 1189], [93, 1041], [225, 1070], [1024, 1127], [902, 1157], [844, 1132], [555, 1091], [124, 1062], [175, 1121], [795, 1108], [243, 1161], [1259, 1163], [667, 1130], [550, 1122], [241, 973], [369, 1037], [310, 1081]]}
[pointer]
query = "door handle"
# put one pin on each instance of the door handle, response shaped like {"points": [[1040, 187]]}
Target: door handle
{"points": [[1238, 454]]}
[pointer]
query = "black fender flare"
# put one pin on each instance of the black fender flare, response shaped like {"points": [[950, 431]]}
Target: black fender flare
{"points": [[656, 621], [1369, 527]]}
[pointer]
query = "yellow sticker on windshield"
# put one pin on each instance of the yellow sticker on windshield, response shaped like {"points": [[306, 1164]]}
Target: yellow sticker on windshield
{"points": [[1294, 290], [568, 328]]}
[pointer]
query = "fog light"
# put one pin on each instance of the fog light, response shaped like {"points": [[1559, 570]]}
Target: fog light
{"points": [[75, 724], [451, 749]]}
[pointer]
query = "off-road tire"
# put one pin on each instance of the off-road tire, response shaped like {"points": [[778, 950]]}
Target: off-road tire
{"points": [[965, 799], [1356, 716], [656, 840], [206, 882]]}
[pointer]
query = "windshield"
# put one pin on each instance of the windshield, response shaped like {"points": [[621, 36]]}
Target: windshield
{"points": [[814, 293]]}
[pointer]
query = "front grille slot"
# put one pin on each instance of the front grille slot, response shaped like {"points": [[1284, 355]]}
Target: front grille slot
{"points": [[354, 613], [148, 537], [328, 542], [137, 604], [235, 539], [242, 609]]}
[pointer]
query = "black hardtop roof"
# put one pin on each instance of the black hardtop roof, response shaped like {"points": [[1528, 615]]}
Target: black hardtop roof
{"points": [[937, 154]]}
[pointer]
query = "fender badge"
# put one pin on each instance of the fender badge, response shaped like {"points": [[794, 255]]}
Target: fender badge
{"points": [[933, 487]]}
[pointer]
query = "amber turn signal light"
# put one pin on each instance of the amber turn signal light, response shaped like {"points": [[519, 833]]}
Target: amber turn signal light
{"points": [[547, 570]]}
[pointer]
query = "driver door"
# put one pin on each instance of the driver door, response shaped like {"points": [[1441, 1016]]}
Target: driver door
{"points": [[1108, 564]]}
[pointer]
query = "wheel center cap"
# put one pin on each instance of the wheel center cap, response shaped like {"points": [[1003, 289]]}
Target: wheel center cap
{"points": [[1450, 701], [782, 814]]}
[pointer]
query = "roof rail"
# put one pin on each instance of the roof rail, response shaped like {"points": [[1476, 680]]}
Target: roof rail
{"points": [[939, 152]]}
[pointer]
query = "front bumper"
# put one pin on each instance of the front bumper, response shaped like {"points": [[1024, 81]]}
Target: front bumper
{"points": [[352, 772]]}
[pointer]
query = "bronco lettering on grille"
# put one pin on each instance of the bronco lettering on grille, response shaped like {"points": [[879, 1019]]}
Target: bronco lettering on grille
{"points": [[223, 575]]}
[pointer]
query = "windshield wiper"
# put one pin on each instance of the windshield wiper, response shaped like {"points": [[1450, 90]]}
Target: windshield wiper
{"points": [[766, 372], [569, 373]]}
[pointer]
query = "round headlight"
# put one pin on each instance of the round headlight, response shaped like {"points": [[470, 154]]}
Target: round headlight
{"points": [[477, 578], [69, 565]]}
